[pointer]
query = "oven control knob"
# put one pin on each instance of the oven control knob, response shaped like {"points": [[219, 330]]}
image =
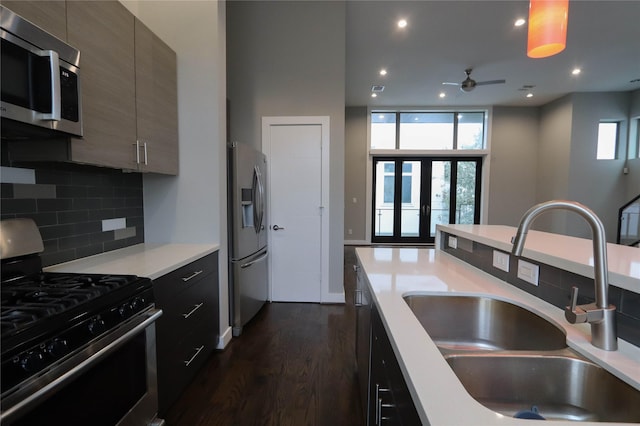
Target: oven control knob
{"points": [[57, 348], [138, 303], [33, 362], [126, 310], [96, 326]]}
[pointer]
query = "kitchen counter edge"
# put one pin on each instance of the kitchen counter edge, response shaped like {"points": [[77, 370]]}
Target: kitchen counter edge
{"points": [[150, 260]]}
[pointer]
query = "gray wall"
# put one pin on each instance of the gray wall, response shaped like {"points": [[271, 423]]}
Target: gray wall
{"points": [[191, 207], [513, 164], [554, 150], [355, 174], [599, 184], [567, 165], [288, 59], [633, 178]]}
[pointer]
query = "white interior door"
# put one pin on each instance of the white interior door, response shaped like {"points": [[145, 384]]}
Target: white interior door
{"points": [[294, 159]]}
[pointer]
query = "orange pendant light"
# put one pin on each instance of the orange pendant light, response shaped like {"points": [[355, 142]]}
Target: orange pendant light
{"points": [[547, 27]]}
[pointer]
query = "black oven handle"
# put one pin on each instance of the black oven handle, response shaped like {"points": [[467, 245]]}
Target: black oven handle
{"points": [[126, 335]]}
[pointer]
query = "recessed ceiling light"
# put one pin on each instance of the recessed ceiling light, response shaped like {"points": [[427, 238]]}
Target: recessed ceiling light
{"points": [[383, 72], [519, 22], [529, 95], [576, 71], [442, 94], [374, 95], [402, 23]]}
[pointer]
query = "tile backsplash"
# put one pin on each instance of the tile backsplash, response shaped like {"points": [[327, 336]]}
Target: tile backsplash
{"points": [[79, 211], [554, 285]]}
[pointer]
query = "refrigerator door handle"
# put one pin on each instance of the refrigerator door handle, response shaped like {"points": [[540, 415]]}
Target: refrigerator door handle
{"points": [[260, 206], [257, 191], [248, 264]]}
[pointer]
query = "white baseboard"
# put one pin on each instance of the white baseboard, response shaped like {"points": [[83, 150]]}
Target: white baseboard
{"points": [[224, 339], [356, 243], [333, 298]]}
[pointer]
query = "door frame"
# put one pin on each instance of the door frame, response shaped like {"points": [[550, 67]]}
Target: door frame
{"points": [[324, 122]]}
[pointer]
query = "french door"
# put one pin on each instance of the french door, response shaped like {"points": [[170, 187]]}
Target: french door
{"points": [[411, 195]]}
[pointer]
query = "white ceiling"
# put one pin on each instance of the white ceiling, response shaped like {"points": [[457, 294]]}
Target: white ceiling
{"points": [[445, 37]]}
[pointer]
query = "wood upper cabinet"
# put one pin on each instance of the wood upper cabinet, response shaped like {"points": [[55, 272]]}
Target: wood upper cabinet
{"points": [[128, 85], [103, 31], [50, 15], [156, 102]]}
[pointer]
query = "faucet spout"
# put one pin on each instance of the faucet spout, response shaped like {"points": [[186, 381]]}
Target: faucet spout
{"points": [[600, 314]]}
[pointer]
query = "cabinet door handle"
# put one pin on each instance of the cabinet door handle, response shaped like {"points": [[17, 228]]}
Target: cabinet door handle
{"points": [[145, 153], [137, 145], [195, 308], [357, 297], [195, 274], [378, 405], [198, 350]]}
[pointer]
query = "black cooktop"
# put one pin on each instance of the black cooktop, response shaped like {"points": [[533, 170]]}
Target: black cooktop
{"points": [[38, 304]]}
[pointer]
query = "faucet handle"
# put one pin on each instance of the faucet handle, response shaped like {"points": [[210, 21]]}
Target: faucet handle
{"points": [[574, 313], [574, 298]]}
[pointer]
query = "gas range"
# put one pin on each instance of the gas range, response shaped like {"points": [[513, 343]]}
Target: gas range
{"points": [[46, 316], [55, 325]]}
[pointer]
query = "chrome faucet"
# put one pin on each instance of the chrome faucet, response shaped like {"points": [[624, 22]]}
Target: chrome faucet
{"points": [[600, 314]]}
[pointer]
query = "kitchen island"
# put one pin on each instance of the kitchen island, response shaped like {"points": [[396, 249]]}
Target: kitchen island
{"points": [[438, 395]]}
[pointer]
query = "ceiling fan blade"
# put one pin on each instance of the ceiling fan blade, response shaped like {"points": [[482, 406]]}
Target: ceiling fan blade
{"points": [[484, 83], [451, 84]]}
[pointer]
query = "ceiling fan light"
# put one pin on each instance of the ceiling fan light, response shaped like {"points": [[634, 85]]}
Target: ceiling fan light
{"points": [[547, 34]]}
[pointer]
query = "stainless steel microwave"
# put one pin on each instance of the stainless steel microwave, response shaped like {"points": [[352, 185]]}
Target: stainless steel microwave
{"points": [[40, 84]]}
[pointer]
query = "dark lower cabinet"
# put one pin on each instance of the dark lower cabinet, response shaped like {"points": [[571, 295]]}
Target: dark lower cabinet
{"points": [[390, 402], [363, 339], [187, 331]]}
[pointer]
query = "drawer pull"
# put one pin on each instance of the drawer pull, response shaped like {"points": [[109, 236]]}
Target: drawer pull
{"points": [[195, 308], [198, 350], [195, 274]]}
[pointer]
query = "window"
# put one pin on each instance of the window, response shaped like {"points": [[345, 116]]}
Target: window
{"points": [[414, 194], [383, 130], [607, 141], [427, 130]]}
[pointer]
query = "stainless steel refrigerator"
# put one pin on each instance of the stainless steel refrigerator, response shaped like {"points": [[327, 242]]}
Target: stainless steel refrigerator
{"points": [[248, 250]]}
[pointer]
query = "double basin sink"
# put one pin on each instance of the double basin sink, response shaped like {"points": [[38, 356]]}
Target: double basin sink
{"points": [[517, 363]]}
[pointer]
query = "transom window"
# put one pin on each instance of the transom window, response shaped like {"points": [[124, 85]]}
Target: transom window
{"points": [[454, 130]]}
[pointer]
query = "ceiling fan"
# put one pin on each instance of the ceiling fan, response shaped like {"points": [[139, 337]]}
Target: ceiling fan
{"points": [[468, 84]]}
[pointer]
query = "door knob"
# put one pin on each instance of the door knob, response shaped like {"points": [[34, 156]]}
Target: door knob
{"points": [[277, 228]]}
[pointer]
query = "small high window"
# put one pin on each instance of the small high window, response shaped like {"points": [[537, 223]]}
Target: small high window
{"points": [[607, 141], [418, 130]]}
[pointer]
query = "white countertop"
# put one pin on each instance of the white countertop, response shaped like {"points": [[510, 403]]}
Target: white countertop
{"points": [[144, 260], [569, 253], [438, 395]]}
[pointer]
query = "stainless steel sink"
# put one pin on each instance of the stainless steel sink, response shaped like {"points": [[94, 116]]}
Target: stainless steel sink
{"points": [[561, 387], [481, 323]]}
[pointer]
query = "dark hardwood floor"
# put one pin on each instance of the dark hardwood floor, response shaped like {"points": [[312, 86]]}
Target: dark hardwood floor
{"points": [[293, 365]]}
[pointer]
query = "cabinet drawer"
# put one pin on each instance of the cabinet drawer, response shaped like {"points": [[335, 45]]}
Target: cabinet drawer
{"points": [[196, 308], [175, 282], [176, 369]]}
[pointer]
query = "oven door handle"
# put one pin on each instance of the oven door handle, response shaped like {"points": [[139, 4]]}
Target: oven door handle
{"points": [[152, 316]]}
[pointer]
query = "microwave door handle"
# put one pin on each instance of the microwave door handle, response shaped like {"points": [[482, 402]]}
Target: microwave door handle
{"points": [[54, 63]]}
